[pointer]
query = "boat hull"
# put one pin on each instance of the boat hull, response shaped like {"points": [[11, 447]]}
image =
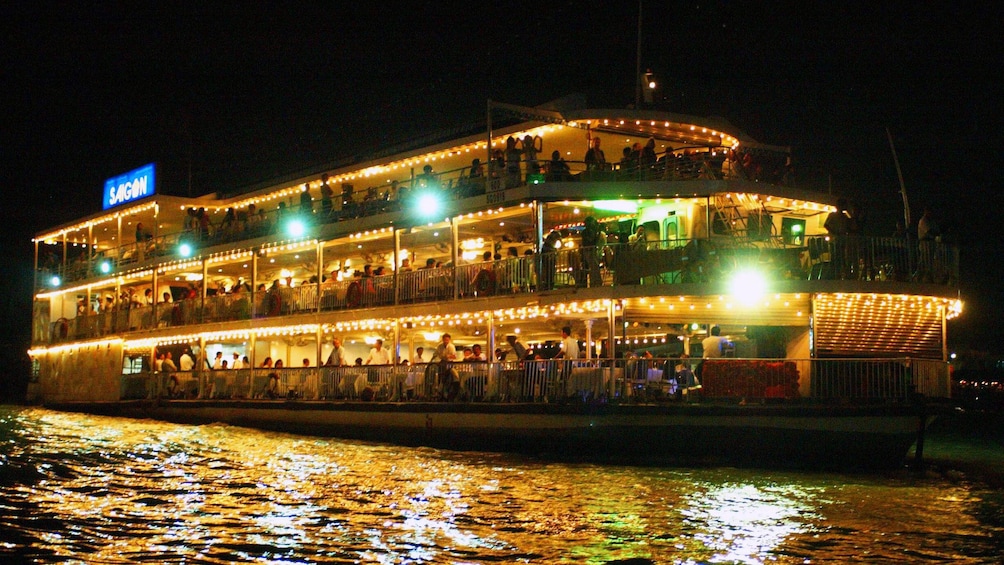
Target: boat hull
{"points": [[773, 436]]}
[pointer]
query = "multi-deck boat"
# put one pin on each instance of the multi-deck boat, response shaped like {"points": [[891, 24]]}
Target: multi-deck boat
{"points": [[832, 346]]}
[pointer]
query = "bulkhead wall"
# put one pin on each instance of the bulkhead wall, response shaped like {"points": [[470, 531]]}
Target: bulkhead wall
{"points": [[89, 372]]}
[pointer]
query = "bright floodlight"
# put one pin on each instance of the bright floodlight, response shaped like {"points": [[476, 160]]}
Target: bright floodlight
{"points": [[54, 281], [748, 286], [428, 204], [106, 267], [185, 250], [295, 228]]}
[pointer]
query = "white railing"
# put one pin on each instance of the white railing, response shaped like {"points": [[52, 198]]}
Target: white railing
{"points": [[621, 380]]}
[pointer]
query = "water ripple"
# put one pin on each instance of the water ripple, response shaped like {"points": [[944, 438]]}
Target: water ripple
{"points": [[80, 488]]}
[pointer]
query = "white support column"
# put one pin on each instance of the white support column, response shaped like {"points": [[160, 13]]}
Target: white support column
{"points": [[254, 287], [253, 344], [397, 342], [90, 245], [154, 284], [492, 389], [610, 350], [320, 275], [319, 337], [397, 266], [34, 272], [200, 368], [205, 283], [538, 220], [454, 255]]}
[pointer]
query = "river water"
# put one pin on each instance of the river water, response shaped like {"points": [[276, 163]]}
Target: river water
{"points": [[86, 489]]}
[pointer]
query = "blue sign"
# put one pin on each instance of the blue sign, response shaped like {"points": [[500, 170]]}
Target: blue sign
{"points": [[133, 185]]}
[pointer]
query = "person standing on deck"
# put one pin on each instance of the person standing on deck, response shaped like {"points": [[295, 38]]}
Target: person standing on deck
{"points": [[837, 225], [595, 159], [569, 352], [445, 354], [714, 344], [378, 355], [337, 356]]}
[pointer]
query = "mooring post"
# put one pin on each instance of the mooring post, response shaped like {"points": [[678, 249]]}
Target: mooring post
{"points": [[918, 454]]}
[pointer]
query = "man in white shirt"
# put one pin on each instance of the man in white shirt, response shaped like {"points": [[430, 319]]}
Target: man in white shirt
{"points": [[187, 362], [569, 345], [569, 351], [446, 351], [477, 353], [378, 355], [218, 362], [337, 356], [449, 385], [714, 344]]}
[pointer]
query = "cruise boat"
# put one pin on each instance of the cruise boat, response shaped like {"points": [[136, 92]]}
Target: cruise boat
{"points": [[716, 318]]}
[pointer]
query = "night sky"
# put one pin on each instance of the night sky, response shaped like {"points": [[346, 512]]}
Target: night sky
{"points": [[232, 95]]}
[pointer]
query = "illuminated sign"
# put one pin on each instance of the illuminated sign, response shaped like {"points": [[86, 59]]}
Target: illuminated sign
{"points": [[131, 186]]}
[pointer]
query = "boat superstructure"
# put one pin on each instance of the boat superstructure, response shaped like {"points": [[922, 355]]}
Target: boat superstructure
{"points": [[685, 228]]}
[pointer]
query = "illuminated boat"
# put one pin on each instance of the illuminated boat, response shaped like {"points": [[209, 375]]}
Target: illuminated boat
{"points": [[832, 350]]}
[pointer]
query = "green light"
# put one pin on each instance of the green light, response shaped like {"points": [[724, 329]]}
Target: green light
{"points": [[296, 228], [428, 204], [54, 281], [796, 228], [106, 267], [625, 206], [185, 250]]}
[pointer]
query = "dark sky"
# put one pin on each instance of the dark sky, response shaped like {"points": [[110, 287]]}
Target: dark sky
{"points": [[235, 94]]}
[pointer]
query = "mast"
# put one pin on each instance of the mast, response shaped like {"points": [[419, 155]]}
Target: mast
{"points": [[637, 70], [902, 186]]}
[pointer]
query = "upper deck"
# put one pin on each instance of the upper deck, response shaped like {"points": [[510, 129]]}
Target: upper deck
{"points": [[711, 200]]}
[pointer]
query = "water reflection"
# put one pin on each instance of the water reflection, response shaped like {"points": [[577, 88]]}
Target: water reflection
{"points": [[122, 491], [745, 522]]}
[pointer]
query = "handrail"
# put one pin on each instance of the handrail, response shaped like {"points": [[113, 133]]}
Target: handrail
{"points": [[872, 261], [679, 165], [634, 380]]}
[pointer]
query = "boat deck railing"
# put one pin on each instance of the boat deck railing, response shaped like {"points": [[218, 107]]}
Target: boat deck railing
{"points": [[455, 184], [559, 381], [875, 261]]}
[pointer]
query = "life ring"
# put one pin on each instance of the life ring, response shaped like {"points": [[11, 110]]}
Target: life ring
{"points": [[484, 282], [354, 295], [62, 329], [272, 388]]}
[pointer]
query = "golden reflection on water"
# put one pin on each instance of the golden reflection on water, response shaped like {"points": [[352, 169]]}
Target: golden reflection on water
{"points": [[744, 521], [123, 491]]}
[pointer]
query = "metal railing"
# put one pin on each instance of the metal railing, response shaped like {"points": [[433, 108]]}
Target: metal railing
{"points": [[636, 380], [882, 259], [349, 203], [873, 260]]}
